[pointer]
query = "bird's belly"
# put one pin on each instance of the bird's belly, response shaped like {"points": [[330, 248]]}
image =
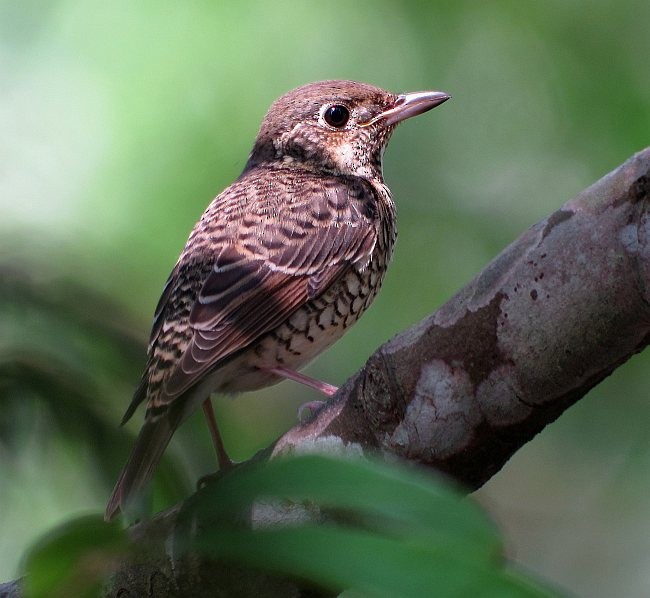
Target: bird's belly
{"points": [[309, 331]]}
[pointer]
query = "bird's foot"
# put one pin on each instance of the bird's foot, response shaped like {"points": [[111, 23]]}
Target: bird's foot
{"points": [[323, 387], [311, 406]]}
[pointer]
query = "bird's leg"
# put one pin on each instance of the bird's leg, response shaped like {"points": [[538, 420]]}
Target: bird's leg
{"points": [[323, 387], [222, 456]]}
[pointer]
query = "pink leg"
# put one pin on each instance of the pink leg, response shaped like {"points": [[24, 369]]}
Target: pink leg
{"points": [[323, 387], [222, 456]]}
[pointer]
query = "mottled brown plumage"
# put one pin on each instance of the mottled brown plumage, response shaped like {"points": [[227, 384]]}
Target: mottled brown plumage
{"points": [[281, 263]]}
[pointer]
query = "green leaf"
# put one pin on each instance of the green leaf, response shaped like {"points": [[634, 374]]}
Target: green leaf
{"points": [[73, 559], [394, 532], [340, 558], [388, 495]]}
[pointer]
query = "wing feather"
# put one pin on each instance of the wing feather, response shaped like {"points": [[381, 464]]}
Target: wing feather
{"points": [[287, 247]]}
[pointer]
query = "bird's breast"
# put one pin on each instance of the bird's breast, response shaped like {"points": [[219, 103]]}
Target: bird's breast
{"points": [[317, 324]]}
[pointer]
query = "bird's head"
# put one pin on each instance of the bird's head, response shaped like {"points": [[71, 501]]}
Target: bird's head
{"points": [[340, 127]]}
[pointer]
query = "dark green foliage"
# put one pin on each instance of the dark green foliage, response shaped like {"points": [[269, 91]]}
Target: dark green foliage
{"points": [[73, 559], [387, 531], [68, 356], [380, 530]]}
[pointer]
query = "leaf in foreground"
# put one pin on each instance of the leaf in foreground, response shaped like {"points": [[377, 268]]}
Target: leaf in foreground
{"points": [[396, 532], [73, 559]]}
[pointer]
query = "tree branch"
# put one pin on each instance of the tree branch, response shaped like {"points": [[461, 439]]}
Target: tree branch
{"points": [[549, 318]]}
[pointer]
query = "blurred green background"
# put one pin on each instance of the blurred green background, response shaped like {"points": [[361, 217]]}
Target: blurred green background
{"points": [[120, 121]]}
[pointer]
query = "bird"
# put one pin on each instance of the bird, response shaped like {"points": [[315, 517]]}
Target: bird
{"points": [[278, 267]]}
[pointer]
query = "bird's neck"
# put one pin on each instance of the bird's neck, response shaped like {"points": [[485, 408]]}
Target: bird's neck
{"points": [[370, 172], [299, 148]]}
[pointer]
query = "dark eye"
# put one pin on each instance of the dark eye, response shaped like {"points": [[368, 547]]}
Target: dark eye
{"points": [[336, 116]]}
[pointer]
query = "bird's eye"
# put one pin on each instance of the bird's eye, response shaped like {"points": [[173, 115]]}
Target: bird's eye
{"points": [[336, 116]]}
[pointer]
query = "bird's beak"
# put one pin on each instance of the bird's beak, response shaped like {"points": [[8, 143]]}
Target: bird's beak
{"points": [[410, 104]]}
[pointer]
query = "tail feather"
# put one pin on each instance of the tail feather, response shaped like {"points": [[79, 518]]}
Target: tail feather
{"points": [[147, 452]]}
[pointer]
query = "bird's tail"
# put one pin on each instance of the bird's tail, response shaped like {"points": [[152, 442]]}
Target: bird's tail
{"points": [[147, 452]]}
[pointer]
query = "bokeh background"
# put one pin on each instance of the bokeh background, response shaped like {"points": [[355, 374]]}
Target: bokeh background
{"points": [[120, 121]]}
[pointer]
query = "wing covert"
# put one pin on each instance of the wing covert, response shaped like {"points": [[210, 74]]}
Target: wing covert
{"points": [[267, 263]]}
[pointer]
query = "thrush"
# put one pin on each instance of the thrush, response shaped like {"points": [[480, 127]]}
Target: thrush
{"points": [[279, 266]]}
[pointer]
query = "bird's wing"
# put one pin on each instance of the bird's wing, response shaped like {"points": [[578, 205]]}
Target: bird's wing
{"points": [[289, 244], [158, 319]]}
